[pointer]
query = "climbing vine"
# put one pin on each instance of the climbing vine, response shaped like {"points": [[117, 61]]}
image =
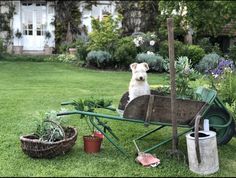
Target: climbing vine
{"points": [[138, 15], [5, 19], [68, 20]]}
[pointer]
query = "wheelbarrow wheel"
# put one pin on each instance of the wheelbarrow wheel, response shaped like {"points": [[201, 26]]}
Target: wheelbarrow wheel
{"points": [[218, 116]]}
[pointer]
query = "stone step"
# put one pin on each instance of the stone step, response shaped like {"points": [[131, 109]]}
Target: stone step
{"points": [[33, 52]]}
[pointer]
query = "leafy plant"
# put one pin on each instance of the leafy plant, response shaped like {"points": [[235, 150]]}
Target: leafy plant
{"points": [[208, 47], [18, 35], [208, 62], [67, 58], [154, 61], [125, 52], [98, 58], [89, 105], [232, 53], [105, 34], [47, 37], [178, 46], [194, 52], [82, 48], [50, 129], [184, 75]]}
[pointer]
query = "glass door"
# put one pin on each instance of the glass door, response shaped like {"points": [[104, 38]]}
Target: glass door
{"points": [[34, 20]]}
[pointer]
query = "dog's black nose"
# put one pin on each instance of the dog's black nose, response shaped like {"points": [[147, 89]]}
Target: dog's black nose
{"points": [[140, 78]]}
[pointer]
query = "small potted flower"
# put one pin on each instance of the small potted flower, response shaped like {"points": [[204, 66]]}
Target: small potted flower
{"points": [[47, 49], [19, 48]]}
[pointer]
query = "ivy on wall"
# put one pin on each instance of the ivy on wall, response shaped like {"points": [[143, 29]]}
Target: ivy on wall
{"points": [[138, 15], [68, 20], [5, 19]]}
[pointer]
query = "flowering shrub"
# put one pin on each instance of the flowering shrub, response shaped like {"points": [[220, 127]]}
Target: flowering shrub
{"points": [[145, 42], [208, 62], [223, 80]]}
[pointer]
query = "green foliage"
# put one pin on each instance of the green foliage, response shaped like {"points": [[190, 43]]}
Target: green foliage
{"points": [[82, 51], [18, 34], [98, 58], [49, 129], [194, 52], [145, 41], [178, 46], [208, 47], [23, 58], [227, 87], [90, 104], [2, 48], [105, 34], [184, 75], [125, 52], [232, 53], [219, 13], [208, 62], [65, 58], [154, 61], [133, 11]]}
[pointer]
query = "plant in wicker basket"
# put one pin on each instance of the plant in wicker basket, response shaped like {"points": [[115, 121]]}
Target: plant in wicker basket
{"points": [[50, 138]]}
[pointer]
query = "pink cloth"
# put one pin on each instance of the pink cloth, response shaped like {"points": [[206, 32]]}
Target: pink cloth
{"points": [[147, 159]]}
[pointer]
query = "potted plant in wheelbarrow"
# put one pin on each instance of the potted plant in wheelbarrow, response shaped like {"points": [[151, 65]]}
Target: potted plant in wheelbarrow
{"points": [[50, 138], [93, 141]]}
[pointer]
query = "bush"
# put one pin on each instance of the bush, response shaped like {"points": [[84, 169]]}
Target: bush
{"points": [[125, 52], [66, 58], [194, 52], [164, 50], [105, 34], [208, 47], [232, 53], [154, 61], [2, 48], [82, 49], [208, 62], [98, 58]]}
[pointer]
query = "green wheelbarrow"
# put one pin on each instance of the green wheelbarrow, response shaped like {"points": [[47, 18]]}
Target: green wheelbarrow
{"points": [[155, 109]]}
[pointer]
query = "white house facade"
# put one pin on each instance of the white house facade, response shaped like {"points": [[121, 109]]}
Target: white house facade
{"points": [[34, 18]]}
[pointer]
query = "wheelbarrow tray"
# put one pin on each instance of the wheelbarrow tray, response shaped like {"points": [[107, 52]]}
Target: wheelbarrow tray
{"points": [[160, 109]]}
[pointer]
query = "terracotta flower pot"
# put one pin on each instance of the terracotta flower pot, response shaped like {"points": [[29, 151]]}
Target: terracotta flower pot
{"points": [[92, 144], [72, 50]]}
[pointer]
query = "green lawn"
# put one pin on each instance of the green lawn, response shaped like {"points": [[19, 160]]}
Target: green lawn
{"points": [[27, 88]]}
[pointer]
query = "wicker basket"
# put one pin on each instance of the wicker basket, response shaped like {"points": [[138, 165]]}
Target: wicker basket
{"points": [[39, 149]]}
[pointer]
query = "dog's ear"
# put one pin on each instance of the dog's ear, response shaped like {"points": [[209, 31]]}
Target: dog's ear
{"points": [[133, 66], [146, 66]]}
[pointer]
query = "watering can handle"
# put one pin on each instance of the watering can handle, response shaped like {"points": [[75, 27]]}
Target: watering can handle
{"points": [[198, 117]]}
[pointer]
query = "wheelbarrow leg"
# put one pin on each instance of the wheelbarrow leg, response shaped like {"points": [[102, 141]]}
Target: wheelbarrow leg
{"points": [[166, 141], [108, 137]]}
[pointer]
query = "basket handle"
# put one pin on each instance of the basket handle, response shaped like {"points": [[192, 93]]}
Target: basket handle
{"points": [[60, 127]]}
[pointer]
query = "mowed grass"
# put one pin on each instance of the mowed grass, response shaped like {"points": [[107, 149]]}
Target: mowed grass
{"points": [[27, 88]]}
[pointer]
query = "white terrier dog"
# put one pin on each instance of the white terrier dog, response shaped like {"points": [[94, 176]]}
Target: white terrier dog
{"points": [[138, 85]]}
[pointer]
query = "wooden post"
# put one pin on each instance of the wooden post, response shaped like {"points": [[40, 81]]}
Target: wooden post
{"points": [[172, 77]]}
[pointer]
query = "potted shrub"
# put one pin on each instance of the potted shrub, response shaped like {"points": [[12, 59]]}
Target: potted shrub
{"points": [[93, 141], [47, 49], [49, 139], [72, 49], [18, 49]]}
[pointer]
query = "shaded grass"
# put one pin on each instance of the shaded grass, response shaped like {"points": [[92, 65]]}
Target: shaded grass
{"points": [[28, 88]]}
